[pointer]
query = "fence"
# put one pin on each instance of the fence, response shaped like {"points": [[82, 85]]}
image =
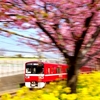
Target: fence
{"points": [[10, 66]]}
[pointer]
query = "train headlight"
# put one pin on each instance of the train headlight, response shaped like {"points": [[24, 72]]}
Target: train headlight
{"points": [[41, 77]]}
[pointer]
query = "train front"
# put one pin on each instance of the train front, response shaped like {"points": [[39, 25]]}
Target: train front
{"points": [[34, 75]]}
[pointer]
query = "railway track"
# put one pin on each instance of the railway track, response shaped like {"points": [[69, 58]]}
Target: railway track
{"points": [[12, 92]]}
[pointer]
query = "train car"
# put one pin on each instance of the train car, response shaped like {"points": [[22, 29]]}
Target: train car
{"points": [[37, 73]]}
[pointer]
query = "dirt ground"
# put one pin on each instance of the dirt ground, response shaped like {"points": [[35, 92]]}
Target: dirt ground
{"points": [[11, 82]]}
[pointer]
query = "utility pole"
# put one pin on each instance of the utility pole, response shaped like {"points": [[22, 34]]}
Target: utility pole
{"points": [[39, 54]]}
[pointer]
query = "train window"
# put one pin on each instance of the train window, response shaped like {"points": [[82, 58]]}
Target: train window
{"points": [[28, 70], [52, 70], [39, 70], [58, 70], [34, 68], [48, 70]]}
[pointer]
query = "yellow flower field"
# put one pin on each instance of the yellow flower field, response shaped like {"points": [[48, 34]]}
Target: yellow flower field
{"points": [[88, 88]]}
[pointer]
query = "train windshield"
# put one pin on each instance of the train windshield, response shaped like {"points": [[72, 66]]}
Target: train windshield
{"points": [[34, 68]]}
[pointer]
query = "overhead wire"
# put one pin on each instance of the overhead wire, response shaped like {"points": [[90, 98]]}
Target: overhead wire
{"points": [[21, 51], [16, 51], [20, 42], [17, 43], [51, 56], [7, 43]]}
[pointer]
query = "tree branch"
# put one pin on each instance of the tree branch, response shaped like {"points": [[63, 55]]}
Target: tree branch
{"points": [[24, 36], [53, 40], [89, 58], [6, 21], [24, 2], [79, 42], [90, 43]]}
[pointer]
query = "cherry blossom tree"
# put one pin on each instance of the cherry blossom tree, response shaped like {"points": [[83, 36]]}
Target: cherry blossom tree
{"points": [[70, 27]]}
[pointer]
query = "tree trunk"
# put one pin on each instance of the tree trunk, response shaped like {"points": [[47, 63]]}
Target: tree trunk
{"points": [[72, 78]]}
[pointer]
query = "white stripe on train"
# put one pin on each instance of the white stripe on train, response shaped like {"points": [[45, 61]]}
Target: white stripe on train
{"points": [[50, 74], [45, 74]]}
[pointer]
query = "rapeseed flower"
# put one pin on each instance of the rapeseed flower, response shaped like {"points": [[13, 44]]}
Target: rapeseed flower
{"points": [[88, 88], [67, 90]]}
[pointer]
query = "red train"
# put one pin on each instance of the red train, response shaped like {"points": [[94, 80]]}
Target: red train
{"points": [[37, 73]]}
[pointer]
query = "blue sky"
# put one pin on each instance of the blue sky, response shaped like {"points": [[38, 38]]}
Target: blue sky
{"points": [[11, 43]]}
